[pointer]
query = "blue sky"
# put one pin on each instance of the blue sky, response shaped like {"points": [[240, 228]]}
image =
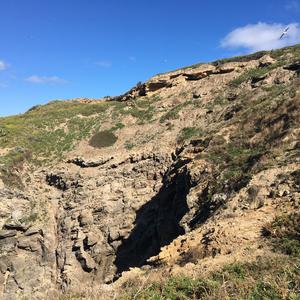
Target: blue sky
{"points": [[62, 49]]}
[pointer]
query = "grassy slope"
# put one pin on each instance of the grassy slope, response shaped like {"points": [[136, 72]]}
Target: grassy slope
{"points": [[46, 132]]}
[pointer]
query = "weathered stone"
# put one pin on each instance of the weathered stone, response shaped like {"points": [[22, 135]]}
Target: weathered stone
{"points": [[7, 233], [153, 86], [28, 243], [33, 231], [89, 163], [266, 60], [293, 67], [17, 226], [87, 263], [86, 218], [93, 238]]}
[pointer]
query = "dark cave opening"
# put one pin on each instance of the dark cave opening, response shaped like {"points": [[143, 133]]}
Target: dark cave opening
{"points": [[157, 224]]}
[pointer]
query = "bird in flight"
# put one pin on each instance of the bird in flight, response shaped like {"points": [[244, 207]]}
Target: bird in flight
{"points": [[284, 32]]}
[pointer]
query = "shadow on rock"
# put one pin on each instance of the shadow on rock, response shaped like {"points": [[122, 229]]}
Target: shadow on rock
{"points": [[156, 223]]}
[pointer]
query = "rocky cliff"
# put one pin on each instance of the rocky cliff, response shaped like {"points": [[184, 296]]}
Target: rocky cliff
{"points": [[183, 174]]}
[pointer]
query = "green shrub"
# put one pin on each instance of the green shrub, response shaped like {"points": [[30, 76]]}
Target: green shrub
{"points": [[117, 127], [103, 139], [284, 232], [236, 269], [265, 290]]}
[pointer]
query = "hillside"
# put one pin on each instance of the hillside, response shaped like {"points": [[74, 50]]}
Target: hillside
{"points": [[185, 187]]}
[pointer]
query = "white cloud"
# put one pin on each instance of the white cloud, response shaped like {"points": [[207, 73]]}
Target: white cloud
{"points": [[44, 79], [104, 64], [3, 65], [262, 36]]}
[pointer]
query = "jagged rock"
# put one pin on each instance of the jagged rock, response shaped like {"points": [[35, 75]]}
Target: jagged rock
{"points": [[57, 181], [7, 233], [255, 81], [7, 244], [153, 86], [93, 238], [86, 218], [61, 182], [138, 91], [219, 197], [293, 67], [266, 60], [226, 68], [283, 192], [231, 96], [33, 231], [114, 234], [89, 163], [87, 263], [196, 76], [17, 226], [28, 243], [231, 111]]}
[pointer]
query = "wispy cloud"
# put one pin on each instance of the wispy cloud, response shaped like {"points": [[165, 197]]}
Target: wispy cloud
{"points": [[3, 65], [104, 64], [292, 5], [132, 58], [261, 36], [45, 79]]}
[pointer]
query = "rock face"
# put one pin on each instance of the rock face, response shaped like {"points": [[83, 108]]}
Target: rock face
{"points": [[204, 157], [92, 231]]}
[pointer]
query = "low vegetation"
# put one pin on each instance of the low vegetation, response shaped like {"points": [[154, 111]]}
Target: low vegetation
{"points": [[173, 113], [284, 233], [141, 109], [259, 72], [47, 132], [254, 74], [266, 278], [187, 133], [129, 145]]}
